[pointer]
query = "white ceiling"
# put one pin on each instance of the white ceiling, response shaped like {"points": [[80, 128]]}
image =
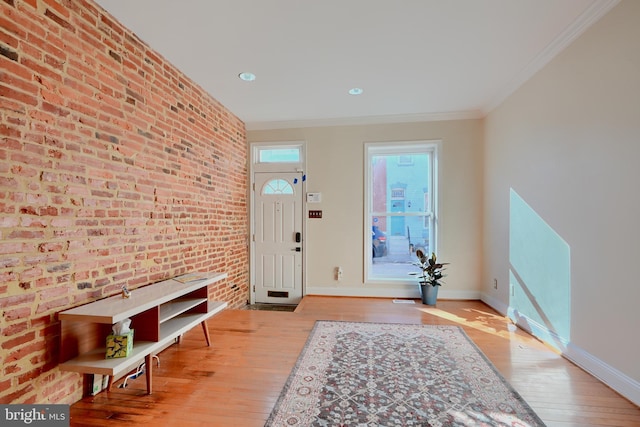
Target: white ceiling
{"points": [[414, 59]]}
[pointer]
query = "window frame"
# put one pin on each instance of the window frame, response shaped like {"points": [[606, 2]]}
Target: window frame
{"points": [[430, 215]]}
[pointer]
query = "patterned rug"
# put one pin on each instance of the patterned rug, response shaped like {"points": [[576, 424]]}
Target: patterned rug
{"points": [[372, 374]]}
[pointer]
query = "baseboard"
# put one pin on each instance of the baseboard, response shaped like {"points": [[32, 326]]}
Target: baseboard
{"points": [[495, 303], [386, 292], [623, 384], [538, 330], [618, 381]]}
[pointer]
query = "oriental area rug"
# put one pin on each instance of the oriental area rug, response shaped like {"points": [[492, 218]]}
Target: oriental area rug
{"points": [[373, 374]]}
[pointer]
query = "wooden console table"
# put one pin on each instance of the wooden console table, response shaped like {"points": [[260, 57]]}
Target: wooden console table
{"points": [[159, 314]]}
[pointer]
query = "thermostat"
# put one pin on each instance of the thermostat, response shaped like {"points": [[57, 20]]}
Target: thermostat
{"points": [[314, 197]]}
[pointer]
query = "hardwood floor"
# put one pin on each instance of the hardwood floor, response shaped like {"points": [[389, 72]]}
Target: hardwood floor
{"points": [[237, 380]]}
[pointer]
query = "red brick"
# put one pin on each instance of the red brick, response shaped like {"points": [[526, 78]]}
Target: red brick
{"points": [[17, 77], [47, 294], [25, 351], [9, 221], [58, 20], [4, 386], [15, 342], [26, 234], [58, 8], [11, 369], [55, 304], [15, 300], [29, 376], [18, 313], [9, 23], [14, 329], [19, 96]]}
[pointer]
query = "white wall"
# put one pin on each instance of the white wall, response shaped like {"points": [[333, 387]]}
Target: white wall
{"points": [[335, 167], [568, 142]]}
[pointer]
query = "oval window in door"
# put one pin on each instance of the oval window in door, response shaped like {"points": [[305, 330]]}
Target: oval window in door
{"points": [[277, 186]]}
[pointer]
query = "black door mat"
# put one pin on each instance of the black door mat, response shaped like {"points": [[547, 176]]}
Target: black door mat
{"points": [[271, 307]]}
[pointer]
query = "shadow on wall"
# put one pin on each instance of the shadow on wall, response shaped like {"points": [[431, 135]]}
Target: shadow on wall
{"points": [[539, 275]]}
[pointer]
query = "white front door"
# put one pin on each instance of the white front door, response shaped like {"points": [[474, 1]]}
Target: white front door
{"points": [[278, 211]]}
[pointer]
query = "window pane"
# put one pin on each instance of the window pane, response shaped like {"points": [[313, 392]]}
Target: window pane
{"points": [[393, 254], [280, 155], [277, 186], [400, 211]]}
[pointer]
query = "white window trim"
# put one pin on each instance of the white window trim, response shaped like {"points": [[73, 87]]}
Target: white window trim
{"points": [[397, 148]]}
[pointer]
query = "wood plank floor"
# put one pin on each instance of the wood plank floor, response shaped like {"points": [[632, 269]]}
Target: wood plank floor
{"points": [[237, 380]]}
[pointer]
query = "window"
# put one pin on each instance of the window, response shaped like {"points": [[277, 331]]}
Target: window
{"points": [[277, 186], [279, 155], [400, 202], [287, 156]]}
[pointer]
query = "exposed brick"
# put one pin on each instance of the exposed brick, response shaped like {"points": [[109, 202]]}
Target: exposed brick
{"points": [[4, 386], [29, 376], [11, 369], [21, 97], [51, 304], [18, 313], [14, 329], [57, 7], [114, 170], [9, 53], [15, 300], [26, 234], [50, 293], [8, 222], [55, 18], [17, 341]]}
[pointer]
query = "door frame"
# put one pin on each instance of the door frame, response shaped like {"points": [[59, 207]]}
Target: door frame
{"points": [[256, 167]]}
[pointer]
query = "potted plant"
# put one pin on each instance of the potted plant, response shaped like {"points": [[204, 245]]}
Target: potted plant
{"points": [[431, 276]]}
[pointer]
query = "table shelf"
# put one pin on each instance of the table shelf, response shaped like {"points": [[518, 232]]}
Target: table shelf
{"points": [[160, 313], [178, 306]]}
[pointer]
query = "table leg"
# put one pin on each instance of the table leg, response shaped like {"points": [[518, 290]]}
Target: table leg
{"points": [[206, 333], [148, 360]]}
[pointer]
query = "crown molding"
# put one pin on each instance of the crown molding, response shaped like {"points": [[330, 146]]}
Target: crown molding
{"points": [[366, 120], [596, 11], [592, 14]]}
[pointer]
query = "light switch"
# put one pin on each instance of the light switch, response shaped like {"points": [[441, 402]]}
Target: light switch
{"points": [[315, 214]]}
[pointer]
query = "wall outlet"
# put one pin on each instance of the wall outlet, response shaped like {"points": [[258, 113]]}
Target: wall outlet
{"points": [[495, 283], [338, 274]]}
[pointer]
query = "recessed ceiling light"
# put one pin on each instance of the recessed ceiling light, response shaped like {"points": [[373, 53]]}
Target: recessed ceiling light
{"points": [[355, 91], [247, 77]]}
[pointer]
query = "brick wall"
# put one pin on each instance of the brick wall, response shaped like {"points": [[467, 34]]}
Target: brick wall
{"points": [[115, 169]]}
